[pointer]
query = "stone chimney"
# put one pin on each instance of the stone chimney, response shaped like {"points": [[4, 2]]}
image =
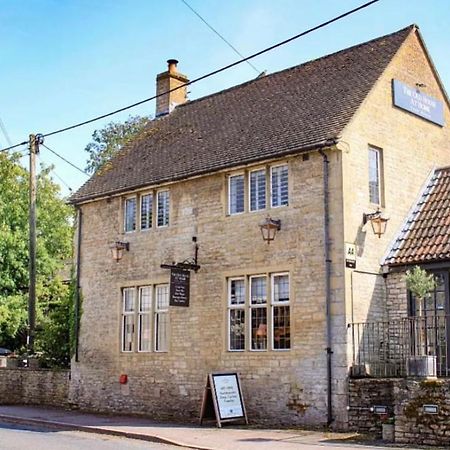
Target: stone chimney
{"points": [[166, 81]]}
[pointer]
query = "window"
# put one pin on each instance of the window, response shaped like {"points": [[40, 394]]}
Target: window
{"points": [[259, 313], [146, 211], [257, 181], [163, 208], [161, 318], [375, 176], [128, 319], [149, 315], [130, 214], [279, 186], [236, 194]]}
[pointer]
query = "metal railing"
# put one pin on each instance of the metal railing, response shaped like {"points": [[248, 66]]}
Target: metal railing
{"points": [[413, 346]]}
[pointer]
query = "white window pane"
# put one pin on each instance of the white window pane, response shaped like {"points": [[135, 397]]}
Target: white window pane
{"points": [[281, 328], [163, 208], [162, 297], [236, 194], [374, 175], [259, 328], [257, 190], [145, 299], [127, 332], [128, 300], [146, 211], [237, 292], [161, 326], [280, 186], [237, 329], [258, 291], [144, 332], [281, 288], [130, 214]]}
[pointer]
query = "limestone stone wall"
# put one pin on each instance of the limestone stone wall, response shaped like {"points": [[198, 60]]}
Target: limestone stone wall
{"points": [[34, 387], [280, 387]]}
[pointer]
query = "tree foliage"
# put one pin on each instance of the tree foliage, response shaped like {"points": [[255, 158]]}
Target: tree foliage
{"points": [[419, 282], [54, 249], [109, 140]]}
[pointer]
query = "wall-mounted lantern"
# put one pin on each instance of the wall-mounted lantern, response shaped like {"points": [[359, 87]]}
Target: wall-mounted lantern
{"points": [[117, 250], [377, 221], [269, 228]]}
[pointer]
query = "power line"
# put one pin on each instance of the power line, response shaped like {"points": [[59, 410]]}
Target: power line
{"points": [[5, 133], [210, 74], [65, 160], [59, 178], [220, 36]]}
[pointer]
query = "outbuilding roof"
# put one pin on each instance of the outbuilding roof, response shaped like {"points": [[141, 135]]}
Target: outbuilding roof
{"points": [[272, 116], [425, 235]]}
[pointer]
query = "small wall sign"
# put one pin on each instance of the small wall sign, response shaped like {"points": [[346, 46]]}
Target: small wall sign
{"points": [[412, 100], [223, 399], [430, 409], [350, 255], [179, 287]]}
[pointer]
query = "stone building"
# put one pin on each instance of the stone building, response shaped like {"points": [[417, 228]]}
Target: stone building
{"points": [[314, 147]]}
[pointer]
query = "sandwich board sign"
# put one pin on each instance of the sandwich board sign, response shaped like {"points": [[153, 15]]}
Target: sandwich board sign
{"points": [[222, 399]]}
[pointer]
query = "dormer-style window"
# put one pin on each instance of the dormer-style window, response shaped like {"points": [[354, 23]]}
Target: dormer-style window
{"points": [[257, 182], [279, 188], [146, 211], [236, 194], [163, 206], [130, 214]]}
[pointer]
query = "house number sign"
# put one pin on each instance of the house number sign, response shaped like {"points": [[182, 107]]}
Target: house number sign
{"points": [[350, 255], [179, 287]]}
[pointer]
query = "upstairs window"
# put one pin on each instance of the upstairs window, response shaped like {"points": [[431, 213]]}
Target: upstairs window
{"points": [[279, 186], [257, 181], [236, 194], [163, 208], [375, 176], [130, 214], [146, 211]]}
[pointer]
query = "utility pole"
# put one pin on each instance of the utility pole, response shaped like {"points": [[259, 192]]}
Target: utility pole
{"points": [[34, 142]]}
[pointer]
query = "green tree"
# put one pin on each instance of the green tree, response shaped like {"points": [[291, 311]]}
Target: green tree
{"points": [[54, 249], [420, 283], [109, 140]]}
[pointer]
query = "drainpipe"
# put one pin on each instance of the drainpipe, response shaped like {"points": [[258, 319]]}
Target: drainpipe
{"points": [[326, 213], [77, 286]]}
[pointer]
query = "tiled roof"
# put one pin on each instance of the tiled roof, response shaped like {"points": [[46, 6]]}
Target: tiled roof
{"points": [[271, 116], [425, 236]]}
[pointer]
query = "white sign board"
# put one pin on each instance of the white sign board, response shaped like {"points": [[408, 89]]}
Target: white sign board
{"points": [[350, 255], [228, 396]]}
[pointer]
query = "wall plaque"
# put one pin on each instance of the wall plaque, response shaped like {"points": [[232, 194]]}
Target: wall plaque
{"points": [[179, 287], [416, 102]]}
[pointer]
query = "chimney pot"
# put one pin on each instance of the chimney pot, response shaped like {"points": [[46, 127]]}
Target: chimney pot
{"points": [[172, 65]]}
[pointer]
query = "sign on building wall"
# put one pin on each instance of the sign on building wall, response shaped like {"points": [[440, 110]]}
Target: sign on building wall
{"points": [[223, 399], [416, 102], [179, 287], [350, 255]]}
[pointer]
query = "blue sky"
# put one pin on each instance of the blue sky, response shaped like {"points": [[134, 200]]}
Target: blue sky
{"points": [[65, 61]]}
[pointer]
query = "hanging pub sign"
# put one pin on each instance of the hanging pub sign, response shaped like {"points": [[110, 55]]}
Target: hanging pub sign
{"points": [[412, 100], [223, 399], [179, 287]]}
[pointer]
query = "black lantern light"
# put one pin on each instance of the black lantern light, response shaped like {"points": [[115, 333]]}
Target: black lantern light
{"points": [[377, 221], [269, 229], [117, 250]]}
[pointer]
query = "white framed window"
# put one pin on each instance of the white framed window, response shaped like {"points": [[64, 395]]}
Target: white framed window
{"points": [[279, 186], [145, 309], [128, 318], [144, 319], [259, 313], [236, 314], [146, 211], [257, 189], [236, 202], [163, 207], [281, 314], [375, 176], [161, 318], [129, 218]]}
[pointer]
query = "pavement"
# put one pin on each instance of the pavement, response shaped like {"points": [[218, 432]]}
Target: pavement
{"points": [[207, 437]]}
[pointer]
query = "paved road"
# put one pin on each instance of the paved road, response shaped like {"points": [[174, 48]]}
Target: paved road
{"points": [[20, 437]]}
